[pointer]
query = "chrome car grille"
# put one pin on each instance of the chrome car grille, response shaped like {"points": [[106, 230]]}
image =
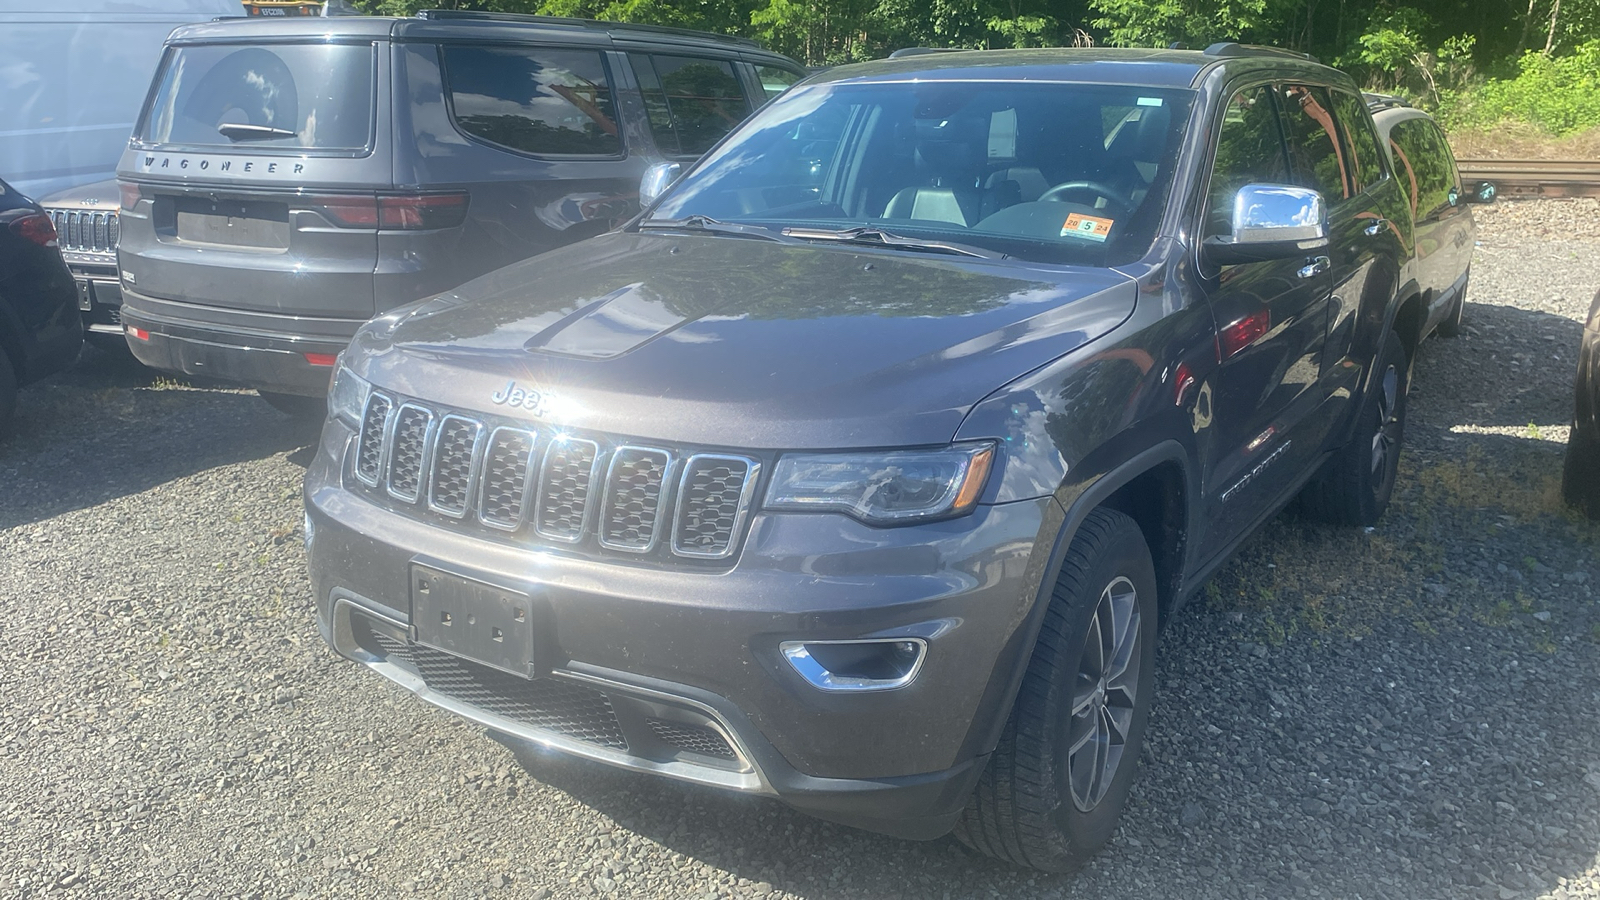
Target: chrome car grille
{"points": [[83, 231], [549, 487]]}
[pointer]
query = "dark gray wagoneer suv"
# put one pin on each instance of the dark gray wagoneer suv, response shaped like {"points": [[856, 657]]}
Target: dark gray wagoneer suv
{"points": [[291, 178], [860, 470]]}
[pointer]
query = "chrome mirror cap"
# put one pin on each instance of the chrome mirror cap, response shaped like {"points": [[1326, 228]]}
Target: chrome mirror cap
{"points": [[656, 180], [1274, 213]]}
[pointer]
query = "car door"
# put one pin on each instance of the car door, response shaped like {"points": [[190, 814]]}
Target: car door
{"points": [[1272, 320], [1365, 237], [1439, 210]]}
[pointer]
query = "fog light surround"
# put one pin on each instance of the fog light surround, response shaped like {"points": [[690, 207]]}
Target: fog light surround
{"points": [[870, 664]]}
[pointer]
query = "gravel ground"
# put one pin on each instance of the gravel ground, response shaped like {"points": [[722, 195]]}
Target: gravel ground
{"points": [[1406, 713]]}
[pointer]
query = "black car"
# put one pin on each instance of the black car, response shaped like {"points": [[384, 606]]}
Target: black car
{"points": [[861, 469], [39, 328], [1580, 481], [290, 178], [88, 227]]}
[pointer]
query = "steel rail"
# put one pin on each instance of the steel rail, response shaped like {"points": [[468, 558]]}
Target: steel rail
{"points": [[1536, 177]]}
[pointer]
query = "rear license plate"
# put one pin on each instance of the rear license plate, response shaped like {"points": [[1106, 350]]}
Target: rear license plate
{"points": [[473, 619], [261, 224]]}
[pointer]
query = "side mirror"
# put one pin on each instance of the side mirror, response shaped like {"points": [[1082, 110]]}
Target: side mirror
{"points": [[656, 180], [1271, 221], [1482, 192]]}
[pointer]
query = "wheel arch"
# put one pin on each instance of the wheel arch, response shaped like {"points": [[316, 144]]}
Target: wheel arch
{"points": [[1156, 489]]}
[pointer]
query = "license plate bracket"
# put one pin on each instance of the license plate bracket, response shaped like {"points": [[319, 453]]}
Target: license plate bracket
{"points": [[473, 619]]}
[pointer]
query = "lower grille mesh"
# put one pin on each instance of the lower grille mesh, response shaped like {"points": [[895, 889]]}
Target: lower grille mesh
{"points": [[552, 704], [691, 738]]}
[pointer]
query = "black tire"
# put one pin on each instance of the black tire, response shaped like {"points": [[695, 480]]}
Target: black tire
{"points": [[1030, 807], [1355, 485], [295, 406], [8, 393], [1580, 476], [1451, 326]]}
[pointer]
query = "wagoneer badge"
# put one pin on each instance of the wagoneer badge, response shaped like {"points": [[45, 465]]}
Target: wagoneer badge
{"points": [[519, 398]]}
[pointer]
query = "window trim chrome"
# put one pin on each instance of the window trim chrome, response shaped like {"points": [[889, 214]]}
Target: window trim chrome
{"points": [[528, 473], [663, 499], [747, 494]]}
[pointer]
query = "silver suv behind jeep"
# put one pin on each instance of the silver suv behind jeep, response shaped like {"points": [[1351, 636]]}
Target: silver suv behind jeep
{"points": [[288, 179]]}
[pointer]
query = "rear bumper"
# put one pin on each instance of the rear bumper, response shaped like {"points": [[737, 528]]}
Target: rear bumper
{"points": [[270, 354]]}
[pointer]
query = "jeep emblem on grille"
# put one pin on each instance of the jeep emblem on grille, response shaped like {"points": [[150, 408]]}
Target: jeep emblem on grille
{"points": [[519, 398]]}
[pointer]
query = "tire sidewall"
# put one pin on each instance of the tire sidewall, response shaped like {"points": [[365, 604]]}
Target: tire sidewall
{"points": [[8, 393], [1086, 832], [1378, 488]]}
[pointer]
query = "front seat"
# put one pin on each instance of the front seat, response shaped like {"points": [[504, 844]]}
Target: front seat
{"points": [[948, 159]]}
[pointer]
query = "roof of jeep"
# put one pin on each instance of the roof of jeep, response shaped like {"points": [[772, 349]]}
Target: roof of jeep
{"points": [[1101, 65], [435, 25]]}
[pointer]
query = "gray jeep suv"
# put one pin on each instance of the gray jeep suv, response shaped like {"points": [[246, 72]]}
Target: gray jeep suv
{"points": [[860, 470], [290, 178]]}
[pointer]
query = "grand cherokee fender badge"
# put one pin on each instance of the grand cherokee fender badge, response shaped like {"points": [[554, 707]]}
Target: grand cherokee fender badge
{"points": [[520, 398]]}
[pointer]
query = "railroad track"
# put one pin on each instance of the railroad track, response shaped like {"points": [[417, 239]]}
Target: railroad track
{"points": [[1536, 177]]}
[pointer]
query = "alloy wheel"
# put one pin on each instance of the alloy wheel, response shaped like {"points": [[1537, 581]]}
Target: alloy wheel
{"points": [[1104, 695]]}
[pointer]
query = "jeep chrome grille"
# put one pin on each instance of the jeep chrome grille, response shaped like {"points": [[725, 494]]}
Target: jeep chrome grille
{"points": [[714, 497], [564, 489], [83, 231], [552, 487], [634, 489]]}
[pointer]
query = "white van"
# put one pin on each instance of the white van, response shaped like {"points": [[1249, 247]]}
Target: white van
{"points": [[73, 75]]}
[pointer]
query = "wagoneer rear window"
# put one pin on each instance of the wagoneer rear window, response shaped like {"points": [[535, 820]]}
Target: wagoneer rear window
{"points": [[278, 96]]}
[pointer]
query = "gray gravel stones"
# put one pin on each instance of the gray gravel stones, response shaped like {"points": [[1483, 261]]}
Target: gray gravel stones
{"points": [[1405, 713]]}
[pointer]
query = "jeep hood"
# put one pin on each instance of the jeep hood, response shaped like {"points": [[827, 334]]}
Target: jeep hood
{"points": [[726, 341]]}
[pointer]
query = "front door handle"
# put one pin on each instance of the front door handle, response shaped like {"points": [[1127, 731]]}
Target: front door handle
{"points": [[1377, 228], [1315, 266]]}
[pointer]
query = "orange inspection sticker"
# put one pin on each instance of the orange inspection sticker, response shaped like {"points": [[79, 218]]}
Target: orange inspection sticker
{"points": [[1092, 227]]}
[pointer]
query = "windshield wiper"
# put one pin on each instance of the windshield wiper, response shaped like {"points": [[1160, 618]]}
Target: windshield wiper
{"points": [[866, 234], [710, 226], [243, 131]]}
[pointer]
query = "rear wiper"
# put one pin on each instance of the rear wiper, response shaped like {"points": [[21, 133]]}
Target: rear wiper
{"points": [[865, 234], [243, 131], [710, 225]]}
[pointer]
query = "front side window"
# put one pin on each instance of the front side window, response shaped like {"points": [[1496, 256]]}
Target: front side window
{"points": [[1000, 166], [300, 97], [533, 99], [1362, 144], [1312, 137], [692, 102], [1249, 151]]}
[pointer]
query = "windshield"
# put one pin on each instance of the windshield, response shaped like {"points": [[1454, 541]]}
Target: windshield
{"points": [[277, 97], [1047, 172]]}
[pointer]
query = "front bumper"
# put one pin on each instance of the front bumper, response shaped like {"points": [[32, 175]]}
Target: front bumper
{"points": [[251, 349], [698, 647]]}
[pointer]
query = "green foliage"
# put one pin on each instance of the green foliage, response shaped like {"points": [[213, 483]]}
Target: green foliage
{"points": [[1559, 94]]}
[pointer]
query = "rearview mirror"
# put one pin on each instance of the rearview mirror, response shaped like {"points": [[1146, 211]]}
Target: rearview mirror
{"points": [[1271, 221], [656, 180]]}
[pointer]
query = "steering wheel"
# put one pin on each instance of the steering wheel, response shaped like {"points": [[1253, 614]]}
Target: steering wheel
{"points": [[1094, 189]]}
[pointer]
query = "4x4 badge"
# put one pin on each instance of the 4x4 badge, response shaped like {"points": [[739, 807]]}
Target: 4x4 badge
{"points": [[519, 398]]}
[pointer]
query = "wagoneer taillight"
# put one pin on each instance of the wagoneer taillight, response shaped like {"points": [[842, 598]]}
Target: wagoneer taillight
{"points": [[404, 212]]}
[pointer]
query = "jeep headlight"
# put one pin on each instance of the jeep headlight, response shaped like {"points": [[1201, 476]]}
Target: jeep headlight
{"points": [[884, 487], [347, 396]]}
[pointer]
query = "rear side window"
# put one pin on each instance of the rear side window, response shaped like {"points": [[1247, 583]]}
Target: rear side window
{"points": [[281, 96], [1312, 137], [1249, 151], [692, 102], [1362, 144], [1422, 160], [774, 80], [533, 99]]}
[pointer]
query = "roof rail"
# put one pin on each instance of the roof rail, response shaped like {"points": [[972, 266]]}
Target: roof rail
{"points": [[1377, 101], [923, 51], [1228, 49], [472, 15]]}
